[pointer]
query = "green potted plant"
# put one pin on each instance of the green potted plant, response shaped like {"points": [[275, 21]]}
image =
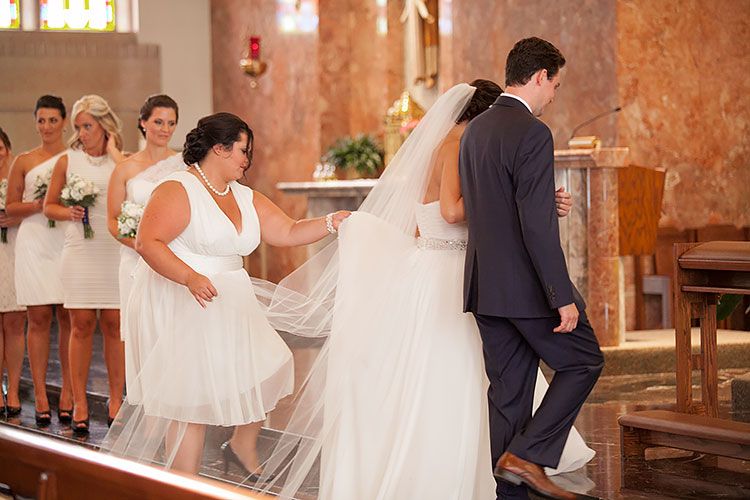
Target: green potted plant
{"points": [[361, 154]]}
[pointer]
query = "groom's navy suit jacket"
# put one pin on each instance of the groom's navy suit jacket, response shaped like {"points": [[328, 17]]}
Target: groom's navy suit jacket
{"points": [[515, 267]]}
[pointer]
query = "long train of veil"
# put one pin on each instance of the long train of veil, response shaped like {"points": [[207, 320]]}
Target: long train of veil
{"points": [[304, 302]]}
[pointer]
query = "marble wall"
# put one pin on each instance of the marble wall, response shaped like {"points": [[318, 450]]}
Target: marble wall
{"points": [[683, 82], [484, 31]]}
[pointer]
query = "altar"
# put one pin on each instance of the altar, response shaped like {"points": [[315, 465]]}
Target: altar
{"points": [[615, 212]]}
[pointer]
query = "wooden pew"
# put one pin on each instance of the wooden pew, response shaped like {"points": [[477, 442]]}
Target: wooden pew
{"points": [[702, 271], [645, 429], [45, 468]]}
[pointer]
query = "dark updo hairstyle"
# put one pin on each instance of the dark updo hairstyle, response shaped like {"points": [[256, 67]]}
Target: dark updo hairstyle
{"points": [[529, 56], [485, 94], [6, 140], [156, 101], [52, 102], [219, 128]]}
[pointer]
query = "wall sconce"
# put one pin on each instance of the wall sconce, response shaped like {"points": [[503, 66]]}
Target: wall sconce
{"points": [[251, 63]]}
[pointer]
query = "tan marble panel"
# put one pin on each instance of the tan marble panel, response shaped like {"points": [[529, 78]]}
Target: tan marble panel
{"points": [[484, 31], [604, 297], [361, 71], [682, 79]]}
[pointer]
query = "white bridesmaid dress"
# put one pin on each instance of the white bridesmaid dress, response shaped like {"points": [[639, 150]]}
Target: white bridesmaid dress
{"points": [[138, 190], [8, 301], [38, 267], [90, 266], [222, 365]]}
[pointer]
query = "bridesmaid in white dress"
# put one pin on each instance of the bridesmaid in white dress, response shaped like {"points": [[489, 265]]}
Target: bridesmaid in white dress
{"points": [[89, 266], [39, 257], [206, 353], [133, 180], [12, 316]]}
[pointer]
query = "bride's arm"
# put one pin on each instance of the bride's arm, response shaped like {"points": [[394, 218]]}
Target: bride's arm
{"points": [[451, 201], [166, 216], [280, 230]]}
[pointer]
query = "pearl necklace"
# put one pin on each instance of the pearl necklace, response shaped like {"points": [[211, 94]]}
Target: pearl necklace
{"points": [[95, 161], [208, 184]]}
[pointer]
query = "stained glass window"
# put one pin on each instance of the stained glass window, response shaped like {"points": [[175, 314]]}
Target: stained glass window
{"points": [[10, 18], [297, 16], [77, 15], [381, 23]]}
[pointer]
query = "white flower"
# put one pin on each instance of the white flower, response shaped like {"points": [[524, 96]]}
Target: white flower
{"points": [[3, 193], [129, 218], [79, 191]]}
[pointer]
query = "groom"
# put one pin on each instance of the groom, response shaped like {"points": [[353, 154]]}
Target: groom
{"points": [[516, 282]]}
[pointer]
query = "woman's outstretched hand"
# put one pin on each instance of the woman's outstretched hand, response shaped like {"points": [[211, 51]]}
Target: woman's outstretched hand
{"points": [[338, 218], [201, 287]]}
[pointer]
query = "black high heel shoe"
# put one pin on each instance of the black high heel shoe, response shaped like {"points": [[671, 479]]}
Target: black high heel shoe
{"points": [[231, 457], [43, 418], [80, 426], [12, 411], [64, 416]]}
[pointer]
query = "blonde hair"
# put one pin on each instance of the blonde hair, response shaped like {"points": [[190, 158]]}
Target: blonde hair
{"points": [[97, 107]]}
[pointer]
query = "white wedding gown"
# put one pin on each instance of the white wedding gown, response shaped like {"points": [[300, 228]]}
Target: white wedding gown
{"points": [[406, 393]]}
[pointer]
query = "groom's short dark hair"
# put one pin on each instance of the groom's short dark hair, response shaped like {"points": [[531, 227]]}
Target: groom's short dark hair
{"points": [[529, 56]]}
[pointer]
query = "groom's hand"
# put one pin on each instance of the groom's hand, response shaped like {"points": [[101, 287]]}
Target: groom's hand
{"points": [[568, 318], [563, 202]]}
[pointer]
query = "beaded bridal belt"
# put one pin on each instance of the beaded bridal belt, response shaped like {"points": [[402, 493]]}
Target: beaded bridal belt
{"points": [[438, 244]]}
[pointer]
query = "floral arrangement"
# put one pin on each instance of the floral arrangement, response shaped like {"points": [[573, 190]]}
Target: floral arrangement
{"points": [[129, 218], [361, 153], [79, 191], [3, 195], [40, 190]]}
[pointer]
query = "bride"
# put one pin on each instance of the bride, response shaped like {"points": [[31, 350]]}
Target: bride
{"points": [[396, 404]]}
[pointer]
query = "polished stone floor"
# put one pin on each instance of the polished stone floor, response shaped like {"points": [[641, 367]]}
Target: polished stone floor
{"points": [[668, 474]]}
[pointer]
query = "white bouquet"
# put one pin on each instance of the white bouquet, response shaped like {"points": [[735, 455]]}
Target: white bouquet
{"points": [[129, 218], [40, 190], [79, 191], [3, 195]]}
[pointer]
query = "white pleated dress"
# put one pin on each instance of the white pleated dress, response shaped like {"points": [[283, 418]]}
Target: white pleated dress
{"points": [[8, 301], [38, 267], [138, 190], [222, 365], [90, 266]]}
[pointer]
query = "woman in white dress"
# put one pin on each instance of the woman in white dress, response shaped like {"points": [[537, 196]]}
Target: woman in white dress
{"points": [[89, 265], [133, 180], [206, 354], [39, 256], [12, 315], [401, 375]]}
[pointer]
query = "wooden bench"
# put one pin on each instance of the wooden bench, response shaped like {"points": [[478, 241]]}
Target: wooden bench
{"points": [[44, 468], [703, 271], [646, 429]]}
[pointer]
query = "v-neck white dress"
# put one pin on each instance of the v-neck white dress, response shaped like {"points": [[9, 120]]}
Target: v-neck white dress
{"points": [[222, 365]]}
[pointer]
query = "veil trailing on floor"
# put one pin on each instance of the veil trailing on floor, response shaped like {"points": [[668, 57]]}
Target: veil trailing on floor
{"points": [[304, 302]]}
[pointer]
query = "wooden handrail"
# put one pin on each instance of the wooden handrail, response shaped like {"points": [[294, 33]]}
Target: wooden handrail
{"points": [[51, 469]]}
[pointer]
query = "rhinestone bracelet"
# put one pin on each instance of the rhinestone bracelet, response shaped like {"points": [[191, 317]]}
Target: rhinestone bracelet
{"points": [[329, 224]]}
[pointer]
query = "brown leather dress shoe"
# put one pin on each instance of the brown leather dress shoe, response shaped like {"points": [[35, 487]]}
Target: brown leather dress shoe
{"points": [[517, 471]]}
